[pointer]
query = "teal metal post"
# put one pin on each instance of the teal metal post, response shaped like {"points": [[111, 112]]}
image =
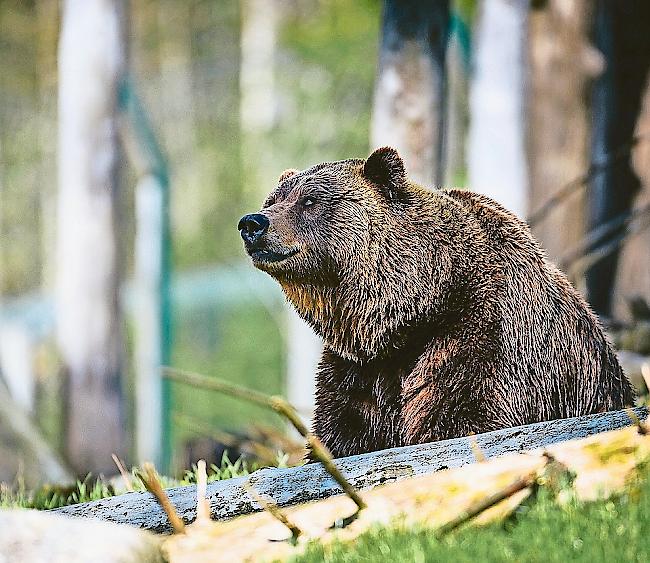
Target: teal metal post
{"points": [[152, 162]]}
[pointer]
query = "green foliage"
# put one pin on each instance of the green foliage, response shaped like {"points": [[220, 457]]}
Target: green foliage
{"points": [[243, 345], [330, 77], [227, 470], [48, 496], [544, 531]]}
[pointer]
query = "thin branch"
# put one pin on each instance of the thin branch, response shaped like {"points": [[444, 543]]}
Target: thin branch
{"points": [[274, 510], [280, 406], [641, 428], [597, 234], [123, 472], [517, 485], [476, 449], [215, 384], [594, 169], [152, 484], [599, 253], [248, 445], [202, 504]]}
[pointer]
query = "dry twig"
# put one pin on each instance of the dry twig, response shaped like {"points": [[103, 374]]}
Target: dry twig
{"points": [[642, 428], [517, 485], [274, 510], [123, 472], [152, 483], [202, 504], [476, 449], [285, 409]]}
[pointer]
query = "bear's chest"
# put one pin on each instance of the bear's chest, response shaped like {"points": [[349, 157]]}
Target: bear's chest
{"points": [[378, 391]]}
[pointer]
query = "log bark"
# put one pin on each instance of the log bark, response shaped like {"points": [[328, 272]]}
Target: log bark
{"points": [[310, 482]]}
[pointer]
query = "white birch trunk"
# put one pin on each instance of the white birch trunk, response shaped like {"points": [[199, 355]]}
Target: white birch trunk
{"points": [[257, 72], [409, 104], [496, 147], [258, 95], [91, 63]]}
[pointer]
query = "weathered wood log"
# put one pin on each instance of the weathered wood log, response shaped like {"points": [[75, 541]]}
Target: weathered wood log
{"points": [[310, 482]]}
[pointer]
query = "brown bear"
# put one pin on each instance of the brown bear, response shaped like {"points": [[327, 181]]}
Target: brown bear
{"points": [[439, 313]]}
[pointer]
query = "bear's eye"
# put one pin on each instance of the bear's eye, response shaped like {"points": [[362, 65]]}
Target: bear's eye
{"points": [[307, 201]]}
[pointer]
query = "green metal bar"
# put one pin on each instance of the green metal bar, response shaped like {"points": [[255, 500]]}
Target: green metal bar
{"points": [[156, 164]]}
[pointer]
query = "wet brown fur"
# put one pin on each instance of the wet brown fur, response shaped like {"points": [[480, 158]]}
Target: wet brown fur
{"points": [[439, 312]]}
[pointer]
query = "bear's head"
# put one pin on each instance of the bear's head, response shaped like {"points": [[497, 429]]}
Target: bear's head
{"points": [[318, 221], [340, 239]]}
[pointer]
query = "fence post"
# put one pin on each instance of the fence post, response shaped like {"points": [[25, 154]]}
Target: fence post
{"points": [[152, 270]]}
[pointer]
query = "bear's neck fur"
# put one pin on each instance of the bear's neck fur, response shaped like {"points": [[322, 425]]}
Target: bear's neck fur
{"points": [[361, 319]]}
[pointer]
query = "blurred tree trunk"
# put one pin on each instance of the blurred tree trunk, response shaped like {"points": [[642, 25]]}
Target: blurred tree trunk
{"points": [[409, 104], [456, 114], [633, 274], [496, 147], [562, 62], [622, 35], [258, 95], [177, 93], [46, 36], [92, 54]]}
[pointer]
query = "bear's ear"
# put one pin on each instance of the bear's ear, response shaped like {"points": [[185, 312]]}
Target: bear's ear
{"points": [[385, 168], [287, 174]]}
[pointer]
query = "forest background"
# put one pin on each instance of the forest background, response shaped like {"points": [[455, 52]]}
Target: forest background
{"points": [[543, 105]]}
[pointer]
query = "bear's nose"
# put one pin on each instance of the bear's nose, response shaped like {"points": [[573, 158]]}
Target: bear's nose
{"points": [[252, 227]]}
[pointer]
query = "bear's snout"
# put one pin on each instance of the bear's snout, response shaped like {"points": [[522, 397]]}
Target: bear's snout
{"points": [[252, 227]]}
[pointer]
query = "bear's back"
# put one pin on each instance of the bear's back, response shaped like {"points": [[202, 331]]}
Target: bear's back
{"points": [[550, 342]]}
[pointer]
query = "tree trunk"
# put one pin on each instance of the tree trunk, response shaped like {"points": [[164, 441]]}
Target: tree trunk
{"points": [[562, 62], [304, 349], [409, 104], [633, 274], [621, 34], [258, 96], [456, 113], [45, 37], [496, 147], [91, 64]]}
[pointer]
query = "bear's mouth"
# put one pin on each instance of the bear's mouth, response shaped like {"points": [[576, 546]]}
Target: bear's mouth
{"points": [[270, 256]]}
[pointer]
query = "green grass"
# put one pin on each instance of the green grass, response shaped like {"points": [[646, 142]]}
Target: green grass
{"points": [[48, 496], [544, 531]]}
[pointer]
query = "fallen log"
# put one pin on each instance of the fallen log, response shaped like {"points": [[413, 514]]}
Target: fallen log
{"points": [[310, 482], [598, 468]]}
